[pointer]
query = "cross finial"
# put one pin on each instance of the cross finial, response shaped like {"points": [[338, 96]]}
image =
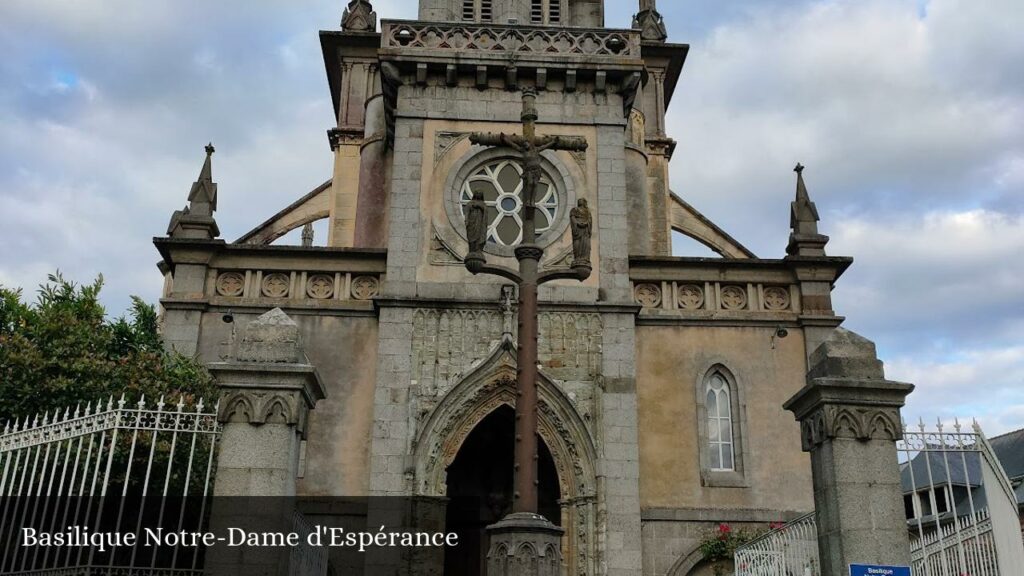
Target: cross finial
{"points": [[210, 149], [799, 168]]}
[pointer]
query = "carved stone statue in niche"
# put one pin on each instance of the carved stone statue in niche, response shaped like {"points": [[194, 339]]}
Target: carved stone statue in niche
{"points": [[476, 223], [582, 225]]}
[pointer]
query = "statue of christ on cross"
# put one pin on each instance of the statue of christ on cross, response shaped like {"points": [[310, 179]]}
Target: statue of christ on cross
{"points": [[529, 146]]}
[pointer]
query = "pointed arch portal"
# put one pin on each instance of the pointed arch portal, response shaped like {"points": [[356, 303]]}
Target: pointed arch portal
{"points": [[479, 483], [478, 407]]}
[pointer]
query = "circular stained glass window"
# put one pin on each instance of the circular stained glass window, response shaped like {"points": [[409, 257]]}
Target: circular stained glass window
{"points": [[501, 182]]}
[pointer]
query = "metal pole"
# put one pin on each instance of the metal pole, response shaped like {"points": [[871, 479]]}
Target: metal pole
{"points": [[526, 400], [528, 278]]}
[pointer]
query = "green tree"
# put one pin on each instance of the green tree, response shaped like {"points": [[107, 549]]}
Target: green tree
{"points": [[62, 351]]}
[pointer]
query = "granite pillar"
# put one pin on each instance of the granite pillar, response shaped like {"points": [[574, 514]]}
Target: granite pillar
{"points": [[267, 391], [850, 422]]}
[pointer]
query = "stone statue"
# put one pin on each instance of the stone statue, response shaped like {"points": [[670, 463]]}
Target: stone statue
{"points": [[476, 223], [582, 225]]}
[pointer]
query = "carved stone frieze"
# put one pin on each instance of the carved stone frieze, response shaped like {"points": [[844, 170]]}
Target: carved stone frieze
{"points": [[259, 407], [776, 298], [320, 287], [231, 284], [734, 298], [570, 345], [690, 297], [447, 343], [510, 39], [858, 423], [276, 285], [365, 287], [648, 295]]}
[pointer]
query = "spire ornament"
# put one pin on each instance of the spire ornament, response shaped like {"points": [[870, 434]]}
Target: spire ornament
{"points": [[307, 235], [650, 22], [359, 17], [804, 239], [196, 219]]}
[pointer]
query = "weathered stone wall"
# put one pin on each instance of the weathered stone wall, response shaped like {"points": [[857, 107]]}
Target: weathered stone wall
{"points": [[344, 351], [678, 503]]}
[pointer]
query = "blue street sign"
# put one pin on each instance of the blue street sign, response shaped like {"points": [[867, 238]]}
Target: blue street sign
{"points": [[866, 570]]}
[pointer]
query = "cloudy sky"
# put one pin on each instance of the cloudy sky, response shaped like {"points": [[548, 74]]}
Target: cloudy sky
{"points": [[908, 113]]}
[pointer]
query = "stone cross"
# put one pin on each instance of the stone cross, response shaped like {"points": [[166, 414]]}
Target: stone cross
{"points": [[529, 146]]}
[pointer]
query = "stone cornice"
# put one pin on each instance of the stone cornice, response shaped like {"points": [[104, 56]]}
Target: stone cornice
{"points": [[753, 515]]}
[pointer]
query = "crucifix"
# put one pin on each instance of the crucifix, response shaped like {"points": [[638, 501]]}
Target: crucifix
{"points": [[529, 276]]}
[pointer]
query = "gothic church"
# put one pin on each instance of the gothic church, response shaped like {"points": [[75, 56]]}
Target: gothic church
{"points": [[662, 378]]}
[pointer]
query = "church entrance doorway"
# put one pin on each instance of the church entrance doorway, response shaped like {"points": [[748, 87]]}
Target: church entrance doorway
{"points": [[480, 490]]}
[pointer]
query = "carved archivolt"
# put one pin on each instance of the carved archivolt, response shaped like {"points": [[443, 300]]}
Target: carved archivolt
{"points": [[850, 422], [487, 387]]}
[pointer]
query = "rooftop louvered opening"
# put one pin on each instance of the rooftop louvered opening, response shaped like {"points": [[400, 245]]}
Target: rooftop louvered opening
{"points": [[537, 12], [554, 11]]}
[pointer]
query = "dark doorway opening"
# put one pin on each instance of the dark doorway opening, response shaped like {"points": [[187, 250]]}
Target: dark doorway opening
{"points": [[480, 490]]}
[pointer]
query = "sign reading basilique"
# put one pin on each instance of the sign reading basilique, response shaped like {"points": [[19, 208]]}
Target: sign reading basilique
{"points": [[868, 570]]}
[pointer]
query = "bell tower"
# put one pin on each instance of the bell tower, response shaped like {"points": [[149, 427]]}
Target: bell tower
{"points": [[558, 13]]}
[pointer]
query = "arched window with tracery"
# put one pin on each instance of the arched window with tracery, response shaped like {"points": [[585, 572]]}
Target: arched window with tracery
{"points": [[718, 405], [721, 428]]}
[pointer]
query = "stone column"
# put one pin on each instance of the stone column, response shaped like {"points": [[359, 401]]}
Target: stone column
{"points": [[850, 422], [267, 391], [371, 215]]}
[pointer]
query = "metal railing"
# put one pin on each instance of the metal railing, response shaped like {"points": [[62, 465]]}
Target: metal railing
{"points": [[306, 560], [960, 507], [788, 551], [109, 467]]}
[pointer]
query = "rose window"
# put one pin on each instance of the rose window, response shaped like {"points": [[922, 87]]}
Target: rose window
{"points": [[501, 182]]}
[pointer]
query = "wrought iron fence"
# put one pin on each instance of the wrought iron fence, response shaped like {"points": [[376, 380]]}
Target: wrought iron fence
{"points": [[108, 466], [306, 560], [789, 551], [960, 507]]}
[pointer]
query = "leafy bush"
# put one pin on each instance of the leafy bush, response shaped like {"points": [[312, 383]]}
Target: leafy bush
{"points": [[62, 351]]}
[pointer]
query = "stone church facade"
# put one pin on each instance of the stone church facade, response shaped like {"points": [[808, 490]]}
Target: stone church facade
{"points": [[662, 378]]}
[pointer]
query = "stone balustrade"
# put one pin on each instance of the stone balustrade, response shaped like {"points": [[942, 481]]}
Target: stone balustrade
{"points": [[708, 296], [242, 275], [524, 41], [292, 285], [735, 290]]}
